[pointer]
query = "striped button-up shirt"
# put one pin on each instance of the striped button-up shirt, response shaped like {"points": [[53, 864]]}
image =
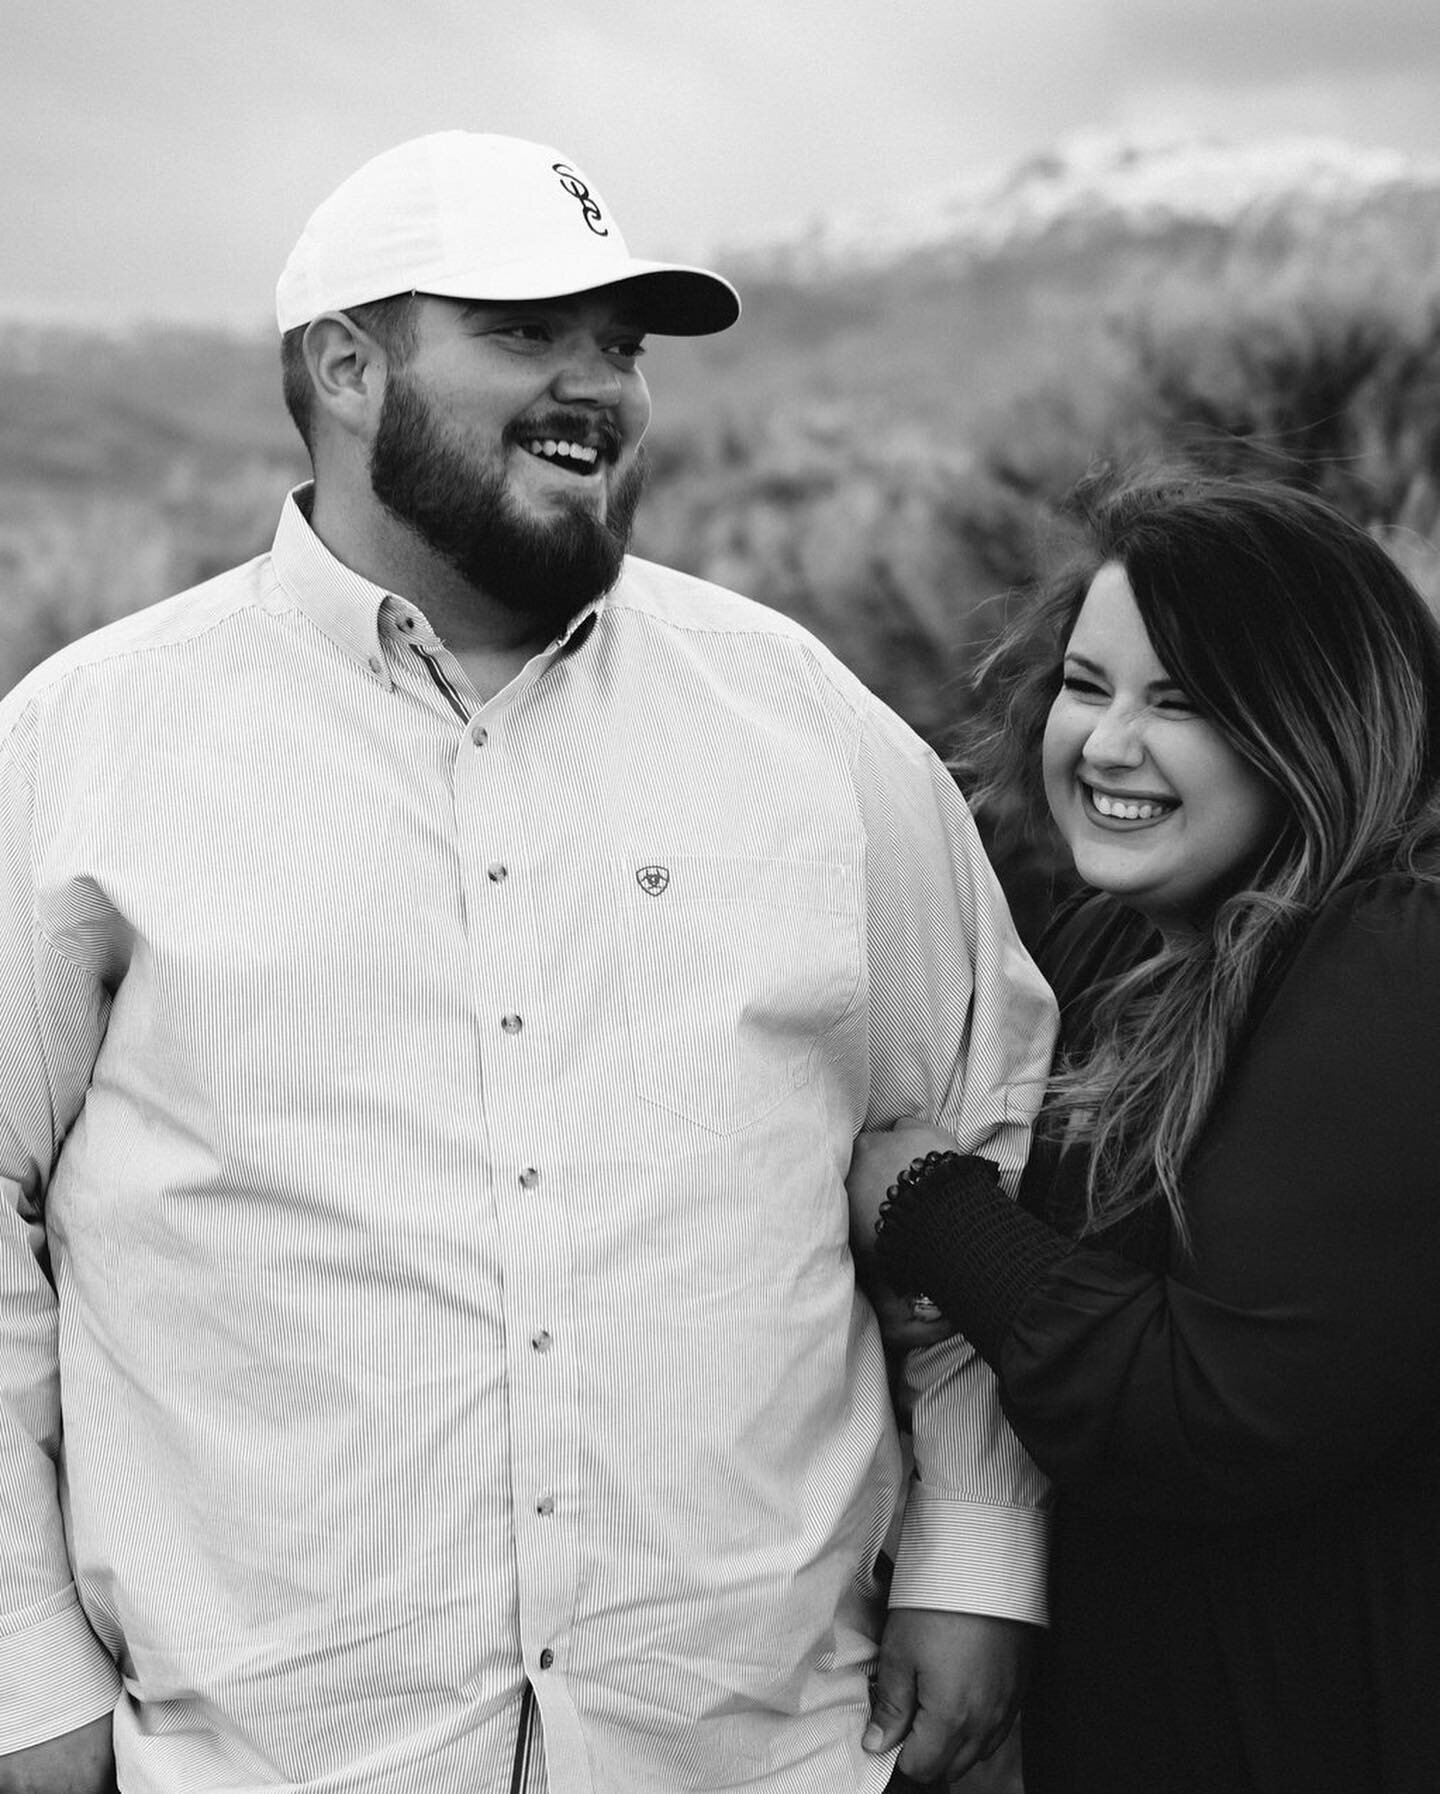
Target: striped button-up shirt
{"points": [[423, 1125]]}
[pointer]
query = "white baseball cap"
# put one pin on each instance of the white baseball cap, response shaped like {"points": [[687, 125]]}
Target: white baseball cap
{"points": [[467, 215]]}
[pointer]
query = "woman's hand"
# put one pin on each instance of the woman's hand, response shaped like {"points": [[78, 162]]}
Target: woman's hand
{"points": [[877, 1161]]}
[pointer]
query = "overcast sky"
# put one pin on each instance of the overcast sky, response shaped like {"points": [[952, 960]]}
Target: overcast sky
{"points": [[158, 157]]}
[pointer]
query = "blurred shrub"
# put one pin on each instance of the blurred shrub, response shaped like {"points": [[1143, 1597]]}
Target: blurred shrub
{"points": [[880, 543], [72, 559], [67, 567]]}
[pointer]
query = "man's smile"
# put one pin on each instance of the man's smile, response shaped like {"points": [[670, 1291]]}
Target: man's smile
{"points": [[574, 457], [571, 443]]}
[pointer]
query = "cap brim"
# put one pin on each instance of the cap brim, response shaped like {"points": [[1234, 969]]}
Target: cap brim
{"points": [[674, 300], [686, 301]]}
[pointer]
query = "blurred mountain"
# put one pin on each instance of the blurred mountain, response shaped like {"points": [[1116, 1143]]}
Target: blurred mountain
{"points": [[1101, 189], [934, 317]]}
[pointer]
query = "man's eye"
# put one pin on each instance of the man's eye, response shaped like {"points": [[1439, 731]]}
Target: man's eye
{"points": [[629, 350]]}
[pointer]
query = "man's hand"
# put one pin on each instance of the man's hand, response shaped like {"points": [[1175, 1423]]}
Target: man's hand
{"points": [[79, 1762], [952, 1682], [877, 1159]]}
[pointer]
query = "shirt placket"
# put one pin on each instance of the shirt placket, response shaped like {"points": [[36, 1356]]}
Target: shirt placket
{"points": [[497, 855]]}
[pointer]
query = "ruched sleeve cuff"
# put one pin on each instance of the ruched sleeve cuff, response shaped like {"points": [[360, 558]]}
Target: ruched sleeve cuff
{"points": [[952, 1233], [55, 1675]]}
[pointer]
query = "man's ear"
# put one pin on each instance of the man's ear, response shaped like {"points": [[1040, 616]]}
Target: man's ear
{"points": [[347, 371]]}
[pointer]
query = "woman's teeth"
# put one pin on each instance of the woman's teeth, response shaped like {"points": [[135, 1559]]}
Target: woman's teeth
{"points": [[1127, 810]]}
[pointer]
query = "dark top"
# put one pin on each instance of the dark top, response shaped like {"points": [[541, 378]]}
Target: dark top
{"points": [[1245, 1442]]}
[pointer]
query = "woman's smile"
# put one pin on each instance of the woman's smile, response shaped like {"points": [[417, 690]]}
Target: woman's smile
{"points": [[1121, 809]]}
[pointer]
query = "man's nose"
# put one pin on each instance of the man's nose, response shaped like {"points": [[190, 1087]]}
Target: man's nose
{"points": [[587, 375]]}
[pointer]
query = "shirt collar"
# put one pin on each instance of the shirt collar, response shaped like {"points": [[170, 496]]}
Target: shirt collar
{"points": [[339, 601], [353, 612]]}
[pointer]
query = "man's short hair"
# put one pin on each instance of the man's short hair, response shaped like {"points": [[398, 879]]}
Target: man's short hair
{"points": [[389, 322]]}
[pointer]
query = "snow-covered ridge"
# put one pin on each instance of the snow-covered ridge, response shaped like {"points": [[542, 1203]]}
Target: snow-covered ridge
{"points": [[1142, 188]]}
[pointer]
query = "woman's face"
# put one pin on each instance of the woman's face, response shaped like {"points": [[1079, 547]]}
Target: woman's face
{"points": [[1155, 805]]}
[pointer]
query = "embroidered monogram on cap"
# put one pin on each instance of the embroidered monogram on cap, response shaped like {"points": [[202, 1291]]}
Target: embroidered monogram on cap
{"points": [[574, 186], [652, 880]]}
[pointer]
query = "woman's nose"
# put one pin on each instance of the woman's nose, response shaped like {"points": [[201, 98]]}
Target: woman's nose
{"points": [[1115, 739]]}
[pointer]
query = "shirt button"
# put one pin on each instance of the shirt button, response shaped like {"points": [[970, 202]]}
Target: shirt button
{"points": [[512, 1024], [376, 665], [479, 735], [541, 1341], [545, 1506], [497, 874], [547, 1657], [529, 1177]]}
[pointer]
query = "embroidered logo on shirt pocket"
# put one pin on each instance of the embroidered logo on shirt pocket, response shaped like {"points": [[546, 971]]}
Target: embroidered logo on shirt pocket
{"points": [[732, 982]]}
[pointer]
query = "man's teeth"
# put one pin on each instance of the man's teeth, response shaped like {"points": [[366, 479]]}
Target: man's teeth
{"points": [[550, 450], [1126, 810]]}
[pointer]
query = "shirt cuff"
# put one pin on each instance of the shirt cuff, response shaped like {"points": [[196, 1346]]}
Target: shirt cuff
{"points": [[972, 1557], [55, 1675]]}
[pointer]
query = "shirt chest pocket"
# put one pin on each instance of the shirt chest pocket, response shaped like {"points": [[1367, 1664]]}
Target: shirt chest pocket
{"points": [[735, 971]]}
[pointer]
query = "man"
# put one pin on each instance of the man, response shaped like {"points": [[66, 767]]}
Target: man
{"points": [[446, 965]]}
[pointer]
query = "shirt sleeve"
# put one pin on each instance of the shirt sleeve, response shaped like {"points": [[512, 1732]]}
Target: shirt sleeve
{"points": [[962, 1027], [54, 1673], [1297, 1347]]}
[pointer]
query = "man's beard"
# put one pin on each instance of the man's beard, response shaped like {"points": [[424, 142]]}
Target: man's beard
{"points": [[462, 510]]}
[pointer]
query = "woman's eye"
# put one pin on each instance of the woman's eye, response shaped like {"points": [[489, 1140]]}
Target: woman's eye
{"points": [[1175, 703], [1081, 687]]}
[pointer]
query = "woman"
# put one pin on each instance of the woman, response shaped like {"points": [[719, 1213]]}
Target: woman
{"points": [[1215, 1311]]}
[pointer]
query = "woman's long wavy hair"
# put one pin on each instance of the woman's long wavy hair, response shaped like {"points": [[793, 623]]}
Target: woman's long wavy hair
{"points": [[1304, 644]]}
